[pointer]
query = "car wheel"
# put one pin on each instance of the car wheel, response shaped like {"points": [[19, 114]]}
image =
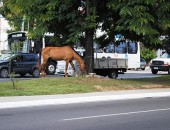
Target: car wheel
{"points": [[154, 71], [22, 75], [4, 73], [142, 68], [113, 74], [36, 73], [51, 68]]}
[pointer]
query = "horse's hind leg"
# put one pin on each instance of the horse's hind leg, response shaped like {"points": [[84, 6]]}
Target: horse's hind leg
{"points": [[43, 74], [65, 73], [72, 65]]}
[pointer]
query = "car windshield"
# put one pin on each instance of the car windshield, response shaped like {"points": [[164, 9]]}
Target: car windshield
{"points": [[6, 56], [165, 55]]}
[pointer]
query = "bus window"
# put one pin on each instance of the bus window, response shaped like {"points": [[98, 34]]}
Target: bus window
{"points": [[132, 47], [17, 46], [18, 42], [110, 48], [121, 48], [97, 48]]}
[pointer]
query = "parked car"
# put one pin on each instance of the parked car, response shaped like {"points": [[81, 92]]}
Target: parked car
{"points": [[21, 63], [142, 64], [160, 64]]}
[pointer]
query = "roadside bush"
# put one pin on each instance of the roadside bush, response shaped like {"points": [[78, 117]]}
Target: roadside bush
{"points": [[148, 54]]}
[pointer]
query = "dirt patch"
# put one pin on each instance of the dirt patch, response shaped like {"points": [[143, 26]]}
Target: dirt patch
{"points": [[102, 89], [150, 86], [105, 88]]}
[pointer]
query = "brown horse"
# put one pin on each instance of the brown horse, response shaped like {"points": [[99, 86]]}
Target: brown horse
{"points": [[60, 53]]}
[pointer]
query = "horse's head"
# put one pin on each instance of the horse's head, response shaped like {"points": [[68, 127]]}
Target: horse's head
{"points": [[83, 68]]}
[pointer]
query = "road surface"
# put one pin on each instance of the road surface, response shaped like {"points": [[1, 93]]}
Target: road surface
{"points": [[137, 114]]}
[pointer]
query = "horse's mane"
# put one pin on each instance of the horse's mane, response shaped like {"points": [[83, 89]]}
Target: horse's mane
{"points": [[76, 52]]}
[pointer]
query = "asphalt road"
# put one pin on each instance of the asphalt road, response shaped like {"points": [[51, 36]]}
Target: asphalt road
{"points": [[139, 114], [140, 74], [127, 75]]}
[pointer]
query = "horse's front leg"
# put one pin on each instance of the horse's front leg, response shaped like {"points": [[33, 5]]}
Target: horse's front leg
{"points": [[72, 65], [65, 74]]}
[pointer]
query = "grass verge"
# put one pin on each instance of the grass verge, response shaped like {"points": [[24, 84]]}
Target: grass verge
{"points": [[50, 86]]}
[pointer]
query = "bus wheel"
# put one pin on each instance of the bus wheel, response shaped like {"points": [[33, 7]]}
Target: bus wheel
{"points": [[51, 68], [154, 71], [113, 74]]}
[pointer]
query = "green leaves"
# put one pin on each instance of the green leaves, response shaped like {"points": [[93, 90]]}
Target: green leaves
{"points": [[143, 20], [147, 54]]}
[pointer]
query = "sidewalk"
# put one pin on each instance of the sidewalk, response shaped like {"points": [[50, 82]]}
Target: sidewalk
{"points": [[30, 101]]}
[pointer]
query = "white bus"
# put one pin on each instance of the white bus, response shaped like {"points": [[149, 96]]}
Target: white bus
{"points": [[19, 42]]}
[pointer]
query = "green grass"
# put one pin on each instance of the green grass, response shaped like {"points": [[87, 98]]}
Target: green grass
{"points": [[49, 86]]}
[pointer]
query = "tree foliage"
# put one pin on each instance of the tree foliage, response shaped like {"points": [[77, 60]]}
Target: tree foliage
{"points": [[148, 54], [77, 20]]}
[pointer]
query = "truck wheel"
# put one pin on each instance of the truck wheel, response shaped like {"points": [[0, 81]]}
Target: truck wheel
{"points": [[36, 73], [169, 71], [154, 71], [4, 73], [51, 68], [113, 74]]}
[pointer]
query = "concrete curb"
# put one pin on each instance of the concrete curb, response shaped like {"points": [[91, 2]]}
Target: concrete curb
{"points": [[13, 102]]}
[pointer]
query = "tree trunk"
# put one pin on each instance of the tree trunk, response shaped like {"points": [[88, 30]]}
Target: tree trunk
{"points": [[89, 54]]}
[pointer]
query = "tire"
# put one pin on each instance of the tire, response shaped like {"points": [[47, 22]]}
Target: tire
{"points": [[113, 74], [169, 71], [142, 68], [36, 73], [154, 71], [22, 75], [4, 73], [51, 68]]}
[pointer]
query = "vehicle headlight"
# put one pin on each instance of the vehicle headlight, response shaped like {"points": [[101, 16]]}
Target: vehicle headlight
{"points": [[166, 63]]}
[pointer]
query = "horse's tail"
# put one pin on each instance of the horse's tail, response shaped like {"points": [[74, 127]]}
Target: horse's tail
{"points": [[39, 61]]}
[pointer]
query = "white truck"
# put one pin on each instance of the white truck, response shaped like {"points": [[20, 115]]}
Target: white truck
{"points": [[111, 62], [105, 66], [160, 64]]}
